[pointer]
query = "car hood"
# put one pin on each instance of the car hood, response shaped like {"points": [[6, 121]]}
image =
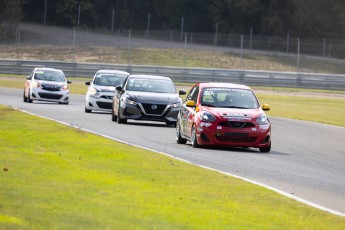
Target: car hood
{"points": [[148, 97], [225, 113], [104, 88]]}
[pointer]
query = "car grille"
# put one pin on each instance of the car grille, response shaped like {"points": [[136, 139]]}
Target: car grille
{"points": [[149, 109], [104, 105], [50, 96], [236, 137], [236, 124], [51, 87], [107, 97]]}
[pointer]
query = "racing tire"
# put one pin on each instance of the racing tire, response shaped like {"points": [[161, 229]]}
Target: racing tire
{"points": [[179, 139], [87, 110], [120, 120], [265, 149], [25, 99], [29, 98], [113, 116], [194, 139]]}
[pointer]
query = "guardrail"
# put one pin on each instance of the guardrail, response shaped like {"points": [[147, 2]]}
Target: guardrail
{"points": [[183, 74]]}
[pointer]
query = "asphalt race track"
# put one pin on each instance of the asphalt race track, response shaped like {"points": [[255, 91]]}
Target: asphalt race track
{"points": [[307, 159]]}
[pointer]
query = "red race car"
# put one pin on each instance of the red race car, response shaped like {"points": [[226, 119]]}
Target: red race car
{"points": [[223, 114]]}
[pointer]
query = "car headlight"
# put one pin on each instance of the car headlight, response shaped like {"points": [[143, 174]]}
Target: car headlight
{"points": [[129, 101], [64, 87], [36, 84], [176, 105], [262, 119], [93, 91], [208, 117]]}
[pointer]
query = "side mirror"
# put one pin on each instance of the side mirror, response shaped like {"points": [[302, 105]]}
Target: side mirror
{"points": [[266, 107], [69, 82], [181, 92], [118, 88], [87, 83], [28, 77], [190, 103]]}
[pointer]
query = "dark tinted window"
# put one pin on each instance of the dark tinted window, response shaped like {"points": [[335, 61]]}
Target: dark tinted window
{"points": [[151, 85], [109, 79], [193, 94], [49, 75]]}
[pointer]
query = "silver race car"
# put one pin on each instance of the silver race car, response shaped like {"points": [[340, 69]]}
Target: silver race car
{"points": [[101, 90]]}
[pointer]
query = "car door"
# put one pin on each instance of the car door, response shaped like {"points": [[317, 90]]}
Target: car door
{"points": [[192, 112], [188, 113]]}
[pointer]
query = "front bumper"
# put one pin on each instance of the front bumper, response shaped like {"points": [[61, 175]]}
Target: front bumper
{"points": [[216, 135], [149, 112], [101, 102], [39, 94]]}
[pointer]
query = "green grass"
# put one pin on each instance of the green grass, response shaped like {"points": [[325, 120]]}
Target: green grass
{"points": [[64, 180], [323, 110], [299, 90], [173, 57]]}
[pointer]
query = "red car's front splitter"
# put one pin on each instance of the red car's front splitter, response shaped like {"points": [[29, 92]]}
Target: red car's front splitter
{"points": [[251, 137]]}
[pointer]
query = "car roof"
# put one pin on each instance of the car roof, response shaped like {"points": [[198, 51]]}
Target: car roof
{"points": [[112, 71], [223, 85], [46, 68], [149, 76]]}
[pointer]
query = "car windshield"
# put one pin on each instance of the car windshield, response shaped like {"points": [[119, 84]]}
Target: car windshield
{"points": [[49, 75], [229, 98], [151, 85], [109, 79]]}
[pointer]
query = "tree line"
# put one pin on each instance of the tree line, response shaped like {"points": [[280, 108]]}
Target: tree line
{"points": [[307, 18]]}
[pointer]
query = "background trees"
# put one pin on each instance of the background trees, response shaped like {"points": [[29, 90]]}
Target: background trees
{"points": [[10, 12], [10, 15], [313, 18]]}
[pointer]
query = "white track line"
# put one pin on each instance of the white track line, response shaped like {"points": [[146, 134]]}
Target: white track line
{"points": [[199, 165]]}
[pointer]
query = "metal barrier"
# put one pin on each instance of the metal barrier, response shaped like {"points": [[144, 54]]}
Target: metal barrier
{"points": [[248, 77]]}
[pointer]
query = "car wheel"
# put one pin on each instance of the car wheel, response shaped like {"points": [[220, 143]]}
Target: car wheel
{"points": [[113, 116], [29, 97], [119, 119], [25, 99], [194, 140], [179, 139], [87, 110], [265, 149]]}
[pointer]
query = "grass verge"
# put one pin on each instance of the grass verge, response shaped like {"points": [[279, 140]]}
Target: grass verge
{"points": [[172, 57], [323, 110], [64, 180]]}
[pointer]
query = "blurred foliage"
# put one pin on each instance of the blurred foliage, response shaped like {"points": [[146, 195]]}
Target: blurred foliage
{"points": [[308, 18], [10, 12], [10, 16]]}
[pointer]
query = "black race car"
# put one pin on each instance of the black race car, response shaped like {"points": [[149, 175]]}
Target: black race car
{"points": [[147, 97]]}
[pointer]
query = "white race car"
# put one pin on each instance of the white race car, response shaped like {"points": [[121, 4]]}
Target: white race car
{"points": [[101, 90], [46, 84]]}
